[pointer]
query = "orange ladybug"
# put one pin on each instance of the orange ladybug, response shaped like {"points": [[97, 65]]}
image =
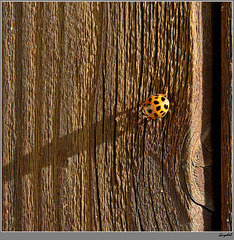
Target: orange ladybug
{"points": [[155, 106]]}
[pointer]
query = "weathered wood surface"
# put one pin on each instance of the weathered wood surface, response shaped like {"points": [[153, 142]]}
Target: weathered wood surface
{"points": [[76, 154], [226, 110]]}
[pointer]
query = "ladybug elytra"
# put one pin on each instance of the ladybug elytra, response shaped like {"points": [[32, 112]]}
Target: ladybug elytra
{"points": [[155, 106]]}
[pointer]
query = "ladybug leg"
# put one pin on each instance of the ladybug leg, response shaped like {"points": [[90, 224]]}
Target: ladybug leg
{"points": [[144, 113], [141, 110]]}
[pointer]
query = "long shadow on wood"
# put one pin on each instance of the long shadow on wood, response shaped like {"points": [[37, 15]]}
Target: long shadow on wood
{"points": [[67, 146]]}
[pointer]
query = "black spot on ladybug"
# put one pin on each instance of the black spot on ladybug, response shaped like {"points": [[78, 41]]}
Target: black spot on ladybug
{"points": [[150, 99], [155, 114], [166, 106], [156, 102], [163, 99], [158, 108], [163, 114], [150, 111], [148, 105]]}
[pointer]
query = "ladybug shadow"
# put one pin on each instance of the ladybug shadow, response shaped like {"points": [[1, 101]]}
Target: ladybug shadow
{"points": [[125, 123], [56, 154], [72, 144]]}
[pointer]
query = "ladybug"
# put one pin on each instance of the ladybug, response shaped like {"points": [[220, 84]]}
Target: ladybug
{"points": [[155, 106]]}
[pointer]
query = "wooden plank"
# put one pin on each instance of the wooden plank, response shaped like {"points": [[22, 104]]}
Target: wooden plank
{"points": [[199, 161], [226, 113], [8, 126], [76, 153], [210, 133]]}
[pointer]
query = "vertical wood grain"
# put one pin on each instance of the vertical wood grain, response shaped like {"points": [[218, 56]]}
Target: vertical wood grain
{"points": [[76, 154], [226, 116]]}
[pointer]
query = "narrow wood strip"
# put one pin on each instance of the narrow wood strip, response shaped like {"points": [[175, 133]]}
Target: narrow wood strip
{"points": [[226, 117]]}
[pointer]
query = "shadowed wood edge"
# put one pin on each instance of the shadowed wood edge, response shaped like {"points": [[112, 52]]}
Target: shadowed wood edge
{"points": [[226, 116]]}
